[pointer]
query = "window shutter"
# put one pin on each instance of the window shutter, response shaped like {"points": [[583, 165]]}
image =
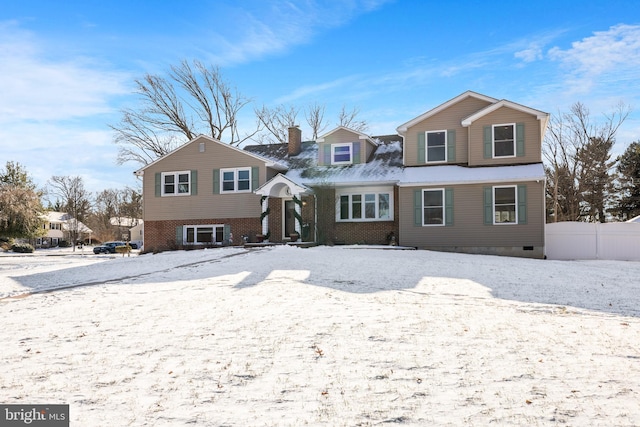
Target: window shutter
{"points": [[255, 177], [326, 151], [519, 139], [448, 206], [451, 145], [522, 204], [488, 144], [216, 181], [488, 205], [194, 182], [226, 233], [422, 156], [179, 230], [356, 152], [158, 184], [417, 207]]}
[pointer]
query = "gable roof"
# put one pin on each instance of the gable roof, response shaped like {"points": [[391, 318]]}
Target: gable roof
{"points": [[268, 162], [404, 127], [360, 134], [540, 115]]}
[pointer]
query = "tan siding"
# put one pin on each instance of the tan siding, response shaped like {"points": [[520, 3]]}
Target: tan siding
{"points": [[205, 204], [504, 115], [469, 229], [341, 135], [450, 118], [369, 149]]}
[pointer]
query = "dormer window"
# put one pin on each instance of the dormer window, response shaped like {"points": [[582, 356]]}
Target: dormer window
{"points": [[341, 154], [504, 141]]}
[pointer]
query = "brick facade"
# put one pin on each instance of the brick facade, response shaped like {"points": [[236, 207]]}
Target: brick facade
{"points": [[161, 235]]}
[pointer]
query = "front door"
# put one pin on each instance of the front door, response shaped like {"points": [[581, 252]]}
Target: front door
{"points": [[289, 218]]}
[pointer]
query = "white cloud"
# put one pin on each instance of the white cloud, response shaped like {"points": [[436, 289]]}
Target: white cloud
{"points": [[612, 56], [273, 27], [37, 86]]}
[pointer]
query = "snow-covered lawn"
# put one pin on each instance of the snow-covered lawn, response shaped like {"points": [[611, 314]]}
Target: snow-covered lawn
{"points": [[322, 336]]}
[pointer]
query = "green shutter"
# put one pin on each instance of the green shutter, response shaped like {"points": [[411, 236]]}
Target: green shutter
{"points": [[451, 146], [356, 152], [488, 205], [194, 182], [216, 181], [488, 143], [522, 204], [519, 139], [448, 206], [422, 156], [158, 184], [179, 230], [255, 177], [326, 151], [417, 207], [226, 233]]}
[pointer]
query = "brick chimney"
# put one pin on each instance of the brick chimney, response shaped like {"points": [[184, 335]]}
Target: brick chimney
{"points": [[295, 141]]}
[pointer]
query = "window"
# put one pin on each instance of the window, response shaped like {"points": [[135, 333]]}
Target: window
{"points": [[504, 205], [203, 234], [365, 207], [436, 146], [341, 154], [433, 207], [236, 180], [176, 183], [504, 140]]}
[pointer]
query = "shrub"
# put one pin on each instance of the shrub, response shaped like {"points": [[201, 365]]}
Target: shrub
{"points": [[23, 248]]}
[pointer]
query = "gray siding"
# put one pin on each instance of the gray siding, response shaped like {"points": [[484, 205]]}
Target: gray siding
{"points": [[468, 229], [204, 204], [450, 118]]}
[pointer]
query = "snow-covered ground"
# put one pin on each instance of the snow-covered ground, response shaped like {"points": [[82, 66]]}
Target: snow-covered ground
{"points": [[322, 336]]}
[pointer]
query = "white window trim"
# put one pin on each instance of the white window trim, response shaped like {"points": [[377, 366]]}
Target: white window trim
{"points": [[426, 146], [493, 140], [493, 203], [333, 152], [235, 180], [195, 233], [362, 193], [444, 204], [176, 176]]}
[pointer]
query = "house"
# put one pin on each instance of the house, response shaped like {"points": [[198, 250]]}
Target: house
{"points": [[58, 226], [465, 176]]}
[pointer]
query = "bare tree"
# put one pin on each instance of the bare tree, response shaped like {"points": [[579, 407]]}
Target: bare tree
{"points": [[349, 119], [315, 119], [276, 122], [577, 151], [192, 100], [75, 200]]}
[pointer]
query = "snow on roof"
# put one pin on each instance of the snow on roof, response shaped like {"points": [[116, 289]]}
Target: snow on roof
{"points": [[385, 166], [54, 217], [635, 219], [453, 174]]}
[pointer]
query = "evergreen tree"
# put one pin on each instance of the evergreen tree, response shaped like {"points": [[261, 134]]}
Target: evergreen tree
{"points": [[628, 205], [21, 211]]}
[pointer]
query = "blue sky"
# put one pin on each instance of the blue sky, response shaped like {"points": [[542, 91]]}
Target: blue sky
{"points": [[67, 68]]}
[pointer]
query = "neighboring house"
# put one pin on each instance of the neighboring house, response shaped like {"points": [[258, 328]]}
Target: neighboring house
{"points": [[134, 229], [465, 176], [58, 226], [635, 219]]}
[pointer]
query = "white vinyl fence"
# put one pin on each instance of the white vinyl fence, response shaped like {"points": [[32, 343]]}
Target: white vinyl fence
{"points": [[582, 240]]}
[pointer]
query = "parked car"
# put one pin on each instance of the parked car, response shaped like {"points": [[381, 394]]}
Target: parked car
{"points": [[107, 248]]}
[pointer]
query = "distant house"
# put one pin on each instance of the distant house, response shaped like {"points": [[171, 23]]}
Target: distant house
{"points": [[465, 176], [58, 226], [134, 228], [635, 219]]}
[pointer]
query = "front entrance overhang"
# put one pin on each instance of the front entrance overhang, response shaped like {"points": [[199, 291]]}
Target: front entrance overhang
{"points": [[281, 186]]}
